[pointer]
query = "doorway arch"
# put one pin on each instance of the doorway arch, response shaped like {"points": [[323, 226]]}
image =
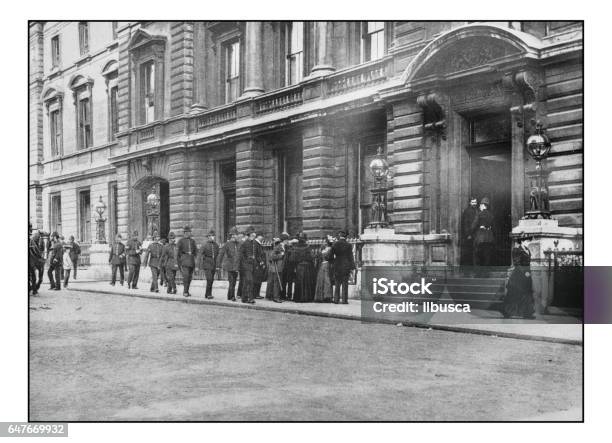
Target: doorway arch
{"points": [[148, 217]]}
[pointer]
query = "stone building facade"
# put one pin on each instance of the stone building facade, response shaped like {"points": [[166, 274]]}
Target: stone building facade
{"points": [[273, 124]]}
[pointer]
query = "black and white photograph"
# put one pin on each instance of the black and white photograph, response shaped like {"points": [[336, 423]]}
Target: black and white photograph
{"points": [[305, 221]]}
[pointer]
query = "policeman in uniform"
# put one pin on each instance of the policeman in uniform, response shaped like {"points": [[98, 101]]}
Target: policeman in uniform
{"points": [[210, 254], [187, 250], [169, 262], [117, 260], [484, 240], [134, 249], [250, 257], [153, 260], [228, 260]]}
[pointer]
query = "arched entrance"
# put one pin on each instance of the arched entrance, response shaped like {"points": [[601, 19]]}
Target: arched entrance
{"points": [[151, 206]]}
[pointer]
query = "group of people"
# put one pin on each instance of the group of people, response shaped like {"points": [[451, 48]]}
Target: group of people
{"points": [[478, 247], [63, 257], [292, 269]]}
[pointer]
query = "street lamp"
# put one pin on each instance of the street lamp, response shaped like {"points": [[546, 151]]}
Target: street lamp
{"points": [[100, 207], [153, 211], [538, 146], [379, 167]]}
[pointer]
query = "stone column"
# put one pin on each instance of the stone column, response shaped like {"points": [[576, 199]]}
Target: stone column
{"points": [[199, 68], [254, 60], [250, 184], [323, 48]]}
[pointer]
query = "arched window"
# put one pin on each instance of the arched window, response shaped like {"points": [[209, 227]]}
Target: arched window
{"points": [[54, 102], [83, 102]]}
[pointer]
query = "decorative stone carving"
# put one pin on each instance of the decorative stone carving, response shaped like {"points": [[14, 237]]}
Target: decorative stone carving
{"points": [[433, 115], [466, 54], [528, 84]]}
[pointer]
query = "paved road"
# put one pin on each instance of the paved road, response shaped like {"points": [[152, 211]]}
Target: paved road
{"points": [[107, 357]]}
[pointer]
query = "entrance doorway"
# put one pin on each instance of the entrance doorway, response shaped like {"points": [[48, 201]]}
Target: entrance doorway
{"points": [[228, 189], [152, 216], [490, 176]]}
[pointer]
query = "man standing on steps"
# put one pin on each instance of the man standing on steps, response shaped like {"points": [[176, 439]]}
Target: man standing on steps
{"points": [[187, 250], [467, 234], [210, 254], [484, 241], [133, 249]]}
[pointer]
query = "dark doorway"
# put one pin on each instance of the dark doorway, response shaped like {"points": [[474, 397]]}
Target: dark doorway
{"points": [[290, 195], [164, 209], [490, 168], [228, 188]]}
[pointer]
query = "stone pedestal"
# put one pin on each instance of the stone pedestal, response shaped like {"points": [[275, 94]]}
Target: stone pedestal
{"points": [[99, 269], [545, 233]]}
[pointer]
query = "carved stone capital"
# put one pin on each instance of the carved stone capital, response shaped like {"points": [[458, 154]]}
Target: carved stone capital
{"points": [[527, 84]]}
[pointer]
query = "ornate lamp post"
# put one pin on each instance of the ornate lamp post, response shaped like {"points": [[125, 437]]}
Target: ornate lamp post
{"points": [[538, 146], [381, 173], [100, 207], [152, 212]]}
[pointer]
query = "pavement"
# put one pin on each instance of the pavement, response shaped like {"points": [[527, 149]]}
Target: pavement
{"points": [[101, 357], [551, 328]]}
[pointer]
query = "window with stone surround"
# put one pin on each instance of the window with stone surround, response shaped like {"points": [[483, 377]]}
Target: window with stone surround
{"points": [[53, 100], [110, 75], [83, 102], [373, 44], [83, 38], [113, 227], [147, 91], [55, 213], [294, 70], [231, 74], [55, 52], [84, 216]]}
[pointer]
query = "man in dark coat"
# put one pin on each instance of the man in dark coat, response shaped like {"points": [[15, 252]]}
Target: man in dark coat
{"points": [[36, 262], [133, 250], [341, 258], [117, 260], [162, 271], [169, 262], [210, 254], [251, 255], [467, 234], [228, 260], [484, 241], [275, 269], [55, 262], [75, 251], [261, 270], [187, 251], [152, 259]]}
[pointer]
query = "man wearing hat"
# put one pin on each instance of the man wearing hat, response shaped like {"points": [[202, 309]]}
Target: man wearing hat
{"points": [[133, 250], [169, 261], [117, 260], [210, 255], [153, 260], [484, 240], [56, 258], [261, 269], [288, 272], [228, 260], [467, 234], [342, 261], [187, 250], [251, 255]]}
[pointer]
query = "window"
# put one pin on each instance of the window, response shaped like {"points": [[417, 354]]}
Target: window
{"points": [[147, 88], [55, 51], [84, 123], [114, 112], [85, 216], [114, 29], [83, 38], [55, 124], [232, 71], [372, 41], [295, 53], [112, 216], [55, 223]]}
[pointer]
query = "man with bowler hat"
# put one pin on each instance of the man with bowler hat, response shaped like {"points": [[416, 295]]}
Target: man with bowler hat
{"points": [[187, 250], [133, 249], [249, 258], [228, 260], [210, 254], [341, 258]]}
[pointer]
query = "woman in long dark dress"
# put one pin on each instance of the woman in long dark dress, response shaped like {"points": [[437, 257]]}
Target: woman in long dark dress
{"points": [[518, 301], [324, 289], [304, 271]]}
